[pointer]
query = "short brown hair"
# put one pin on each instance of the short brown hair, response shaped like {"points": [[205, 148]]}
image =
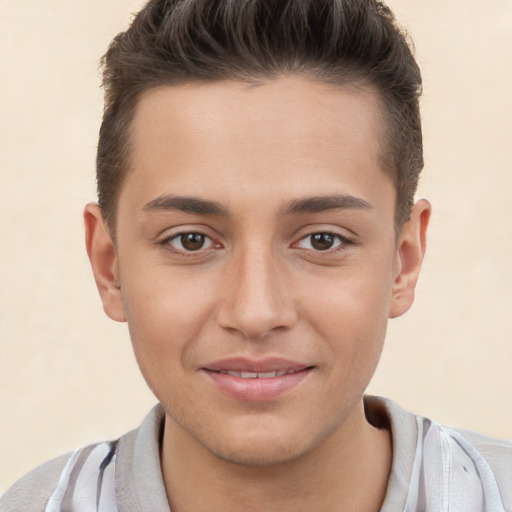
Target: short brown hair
{"points": [[346, 42]]}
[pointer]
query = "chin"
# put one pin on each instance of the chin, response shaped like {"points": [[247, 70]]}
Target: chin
{"points": [[262, 443], [258, 453]]}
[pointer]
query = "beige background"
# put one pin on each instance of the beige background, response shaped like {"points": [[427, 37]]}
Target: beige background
{"points": [[67, 374]]}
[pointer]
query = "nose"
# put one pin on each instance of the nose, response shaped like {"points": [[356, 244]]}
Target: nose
{"points": [[257, 296]]}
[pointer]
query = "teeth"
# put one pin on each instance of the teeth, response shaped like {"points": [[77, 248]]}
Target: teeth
{"points": [[256, 375]]}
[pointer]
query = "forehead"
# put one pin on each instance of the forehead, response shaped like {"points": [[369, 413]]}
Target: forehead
{"points": [[284, 136]]}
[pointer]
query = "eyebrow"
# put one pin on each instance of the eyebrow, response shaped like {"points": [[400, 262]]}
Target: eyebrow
{"points": [[319, 204], [186, 204], [315, 204]]}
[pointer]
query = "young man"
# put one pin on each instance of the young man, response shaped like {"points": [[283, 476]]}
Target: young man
{"points": [[257, 165]]}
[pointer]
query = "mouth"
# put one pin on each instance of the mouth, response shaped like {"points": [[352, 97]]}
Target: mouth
{"points": [[257, 375], [247, 380]]}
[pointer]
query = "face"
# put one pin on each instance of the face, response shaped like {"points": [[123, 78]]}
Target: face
{"points": [[258, 261]]}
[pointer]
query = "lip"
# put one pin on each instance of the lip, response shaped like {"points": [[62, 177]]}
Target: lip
{"points": [[255, 389], [238, 364]]}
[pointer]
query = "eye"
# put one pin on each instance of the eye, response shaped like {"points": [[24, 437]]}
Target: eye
{"points": [[189, 242], [322, 241]]}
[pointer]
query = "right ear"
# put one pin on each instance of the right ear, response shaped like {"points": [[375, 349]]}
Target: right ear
{"points": [[103, 258]]}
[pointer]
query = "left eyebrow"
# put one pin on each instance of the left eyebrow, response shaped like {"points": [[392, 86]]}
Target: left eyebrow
{"points": [[186, 204], [319, 204]]}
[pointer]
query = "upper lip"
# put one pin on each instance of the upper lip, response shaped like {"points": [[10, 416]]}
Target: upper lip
{"points": [[239, 364]]}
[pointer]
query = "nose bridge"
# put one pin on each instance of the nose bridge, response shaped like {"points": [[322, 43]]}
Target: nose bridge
{"points": [[258, 301]]}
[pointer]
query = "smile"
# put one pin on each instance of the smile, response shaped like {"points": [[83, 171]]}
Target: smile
{"points": [[252, 381], [257, 375]]}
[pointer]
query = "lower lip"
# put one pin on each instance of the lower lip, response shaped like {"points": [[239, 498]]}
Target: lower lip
{"points": [[256, 390]]}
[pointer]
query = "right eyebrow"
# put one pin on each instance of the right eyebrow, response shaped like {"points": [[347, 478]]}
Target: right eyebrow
{"points": [[186, 204]]}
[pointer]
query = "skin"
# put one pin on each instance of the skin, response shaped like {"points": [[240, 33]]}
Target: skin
{"points": [[259, 287]]}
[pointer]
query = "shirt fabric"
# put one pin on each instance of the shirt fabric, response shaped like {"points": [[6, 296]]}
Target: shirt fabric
{"points": [[434, 469]]}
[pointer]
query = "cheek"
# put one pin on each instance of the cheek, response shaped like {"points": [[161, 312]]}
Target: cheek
{"points": [[165, 313], [352, 314], [163, 325]]}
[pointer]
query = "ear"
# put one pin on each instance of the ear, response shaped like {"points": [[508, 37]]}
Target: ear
{"points": [[103, 258], [410, 252]]}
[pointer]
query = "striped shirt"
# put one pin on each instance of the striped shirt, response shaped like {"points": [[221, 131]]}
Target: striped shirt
{"points": [[434, 469]]}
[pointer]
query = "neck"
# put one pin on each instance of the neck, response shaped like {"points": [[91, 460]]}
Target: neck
{"points": [[348, 471]]}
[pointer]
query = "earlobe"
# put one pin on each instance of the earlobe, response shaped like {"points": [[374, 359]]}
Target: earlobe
{"points": [[102, 256], [410, 252]]}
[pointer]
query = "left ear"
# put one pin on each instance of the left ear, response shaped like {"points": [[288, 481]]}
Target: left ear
{"points": [[410, 252]]}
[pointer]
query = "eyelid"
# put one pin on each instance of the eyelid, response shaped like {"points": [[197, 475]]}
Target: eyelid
{"points": [[164, 241], [343, 241]]}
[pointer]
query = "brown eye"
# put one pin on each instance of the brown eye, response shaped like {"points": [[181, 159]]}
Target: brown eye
{"points": [[192, 241], [322, 241], [189, 242]]}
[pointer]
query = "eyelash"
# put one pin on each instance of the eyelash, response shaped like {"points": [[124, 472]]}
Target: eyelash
{"points": [[165, 244], [343, 242]]}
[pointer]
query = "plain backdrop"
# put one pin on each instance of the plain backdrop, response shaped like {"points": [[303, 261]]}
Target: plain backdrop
{"points": [[67, 373]]}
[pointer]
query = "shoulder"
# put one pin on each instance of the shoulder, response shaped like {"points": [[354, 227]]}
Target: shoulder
{"points": [[80, 480], [90, 474], [442, 463], [31, 492], [497, 453]]}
